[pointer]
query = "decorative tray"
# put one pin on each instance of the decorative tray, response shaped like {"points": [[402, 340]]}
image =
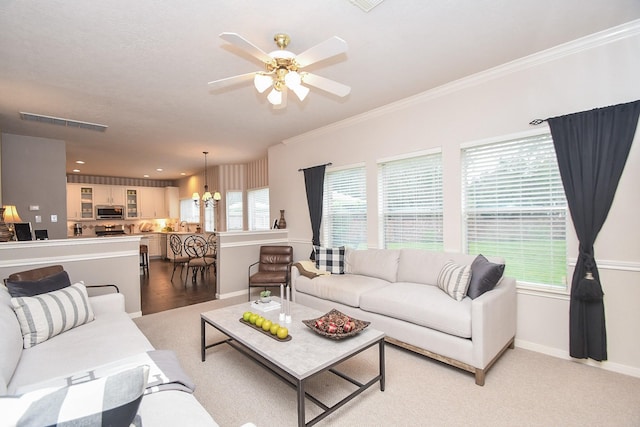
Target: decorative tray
{"points": [[336, 325], [259, 329]]}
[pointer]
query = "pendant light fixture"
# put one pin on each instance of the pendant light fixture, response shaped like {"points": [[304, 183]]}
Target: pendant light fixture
{"points": [[207, 198]]}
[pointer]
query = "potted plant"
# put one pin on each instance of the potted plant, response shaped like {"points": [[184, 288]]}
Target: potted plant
{"points": [[265, 296]]}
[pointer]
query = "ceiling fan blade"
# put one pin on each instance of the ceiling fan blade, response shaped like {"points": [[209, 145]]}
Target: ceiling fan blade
{"points": [[328, 48], [229, 81], [325, 84], [246, 45]]}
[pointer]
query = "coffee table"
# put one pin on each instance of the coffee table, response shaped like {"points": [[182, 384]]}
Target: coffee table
{"points": [[295, 361]]}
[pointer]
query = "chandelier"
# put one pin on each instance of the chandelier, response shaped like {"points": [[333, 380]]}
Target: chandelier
{"points": [[207, 198]]}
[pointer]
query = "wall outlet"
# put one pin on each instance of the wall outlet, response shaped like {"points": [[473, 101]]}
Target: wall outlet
{"points": [[38, 218], [54, 218]]}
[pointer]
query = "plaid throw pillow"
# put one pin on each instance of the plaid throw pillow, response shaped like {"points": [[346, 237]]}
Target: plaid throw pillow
{"points": [[330, 259]]}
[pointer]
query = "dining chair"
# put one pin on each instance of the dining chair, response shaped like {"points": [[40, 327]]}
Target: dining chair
{"points": [[175, 242], [196, 248]]}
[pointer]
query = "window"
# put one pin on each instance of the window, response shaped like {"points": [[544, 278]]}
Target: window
{"points": [[258, 209], [410, 202], [344, 212], [234, 210], [514, 207], [189, 212], [210, 217]]}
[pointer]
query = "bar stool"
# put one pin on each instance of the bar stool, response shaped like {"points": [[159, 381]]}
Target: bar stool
{"points": [[144, 259]]}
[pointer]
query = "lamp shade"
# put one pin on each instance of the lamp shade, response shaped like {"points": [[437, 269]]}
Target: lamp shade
{"points": [[207, 196], [217, 195], [275, 97], [262, 82], [11, 214], [195, 196]]}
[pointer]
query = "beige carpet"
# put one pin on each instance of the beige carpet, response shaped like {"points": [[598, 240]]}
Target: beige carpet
{"points": [[524, 388]]}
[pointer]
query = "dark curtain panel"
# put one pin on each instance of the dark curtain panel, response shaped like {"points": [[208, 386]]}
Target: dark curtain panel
{"points": [[314, 183], [592, 148]]}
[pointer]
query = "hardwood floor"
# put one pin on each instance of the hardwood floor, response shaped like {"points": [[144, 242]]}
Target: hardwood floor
{"points": [[158, 292]]}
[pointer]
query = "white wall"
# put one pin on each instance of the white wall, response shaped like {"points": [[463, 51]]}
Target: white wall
{"points": [[593, 72]]}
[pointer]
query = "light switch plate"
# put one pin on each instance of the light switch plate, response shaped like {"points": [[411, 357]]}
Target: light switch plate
{"points": [[34, 207], [54, 218], [38, 218]]}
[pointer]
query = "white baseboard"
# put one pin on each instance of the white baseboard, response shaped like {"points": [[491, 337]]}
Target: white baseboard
{"points": [[606, 365], [135, 314], [231, 294]]}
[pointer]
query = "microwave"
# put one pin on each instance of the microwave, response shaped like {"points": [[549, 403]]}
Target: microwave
{"points": [[109, 212]]}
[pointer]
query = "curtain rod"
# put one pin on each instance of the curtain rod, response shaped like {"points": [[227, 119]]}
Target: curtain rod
{"points": [[537, 122], [326, 164]]}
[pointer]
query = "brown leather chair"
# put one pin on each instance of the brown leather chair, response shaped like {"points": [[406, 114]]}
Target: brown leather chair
{"points": [[274, 267], [35, 274]]}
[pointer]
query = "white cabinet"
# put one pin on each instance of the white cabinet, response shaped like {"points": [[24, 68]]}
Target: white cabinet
{"points": [[154, 245], [108, 194], [151, 201], [172, 202], [131, 205], [80, 202]]}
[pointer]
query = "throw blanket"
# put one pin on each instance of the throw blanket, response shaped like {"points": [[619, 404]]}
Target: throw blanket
{"points": [[308, 269], [165, 373]]}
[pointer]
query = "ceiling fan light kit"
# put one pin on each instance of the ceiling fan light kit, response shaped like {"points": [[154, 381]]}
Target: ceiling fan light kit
{"points": [[283, 69]]}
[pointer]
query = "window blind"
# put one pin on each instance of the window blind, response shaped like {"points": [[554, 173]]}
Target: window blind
{"points": [[344, 212], [258, 209], [514, 207], [234, 210], [410, 202]]}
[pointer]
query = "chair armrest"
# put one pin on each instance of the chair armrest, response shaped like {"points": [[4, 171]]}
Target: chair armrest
{"points": [[493, 321], [104, 286], [109, 303], [249, 269]]}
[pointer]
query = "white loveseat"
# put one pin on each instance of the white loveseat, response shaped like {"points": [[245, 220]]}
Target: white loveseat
{"points": [[396, 291], [111, 337]]}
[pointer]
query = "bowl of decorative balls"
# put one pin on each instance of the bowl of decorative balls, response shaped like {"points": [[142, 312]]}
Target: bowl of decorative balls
{"points": [[336, 325]]}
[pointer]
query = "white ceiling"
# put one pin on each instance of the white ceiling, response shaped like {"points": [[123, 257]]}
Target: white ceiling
{"points": [[141, 67]]}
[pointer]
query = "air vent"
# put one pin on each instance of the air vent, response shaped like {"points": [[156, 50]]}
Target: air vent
{"points": [[63, 122], [366, 5]]}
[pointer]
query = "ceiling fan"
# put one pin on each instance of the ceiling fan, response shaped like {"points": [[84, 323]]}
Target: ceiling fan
{"points": [[284, 69]]}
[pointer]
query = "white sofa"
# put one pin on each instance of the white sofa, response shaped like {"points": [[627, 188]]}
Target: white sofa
{"points": [[396, 291], [111, 337]]}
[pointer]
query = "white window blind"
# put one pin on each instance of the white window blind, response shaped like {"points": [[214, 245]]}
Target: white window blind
{"points": [[515, 207], [189, 212], [234, 210], [410, 202], [344, 213], [258, 209]]}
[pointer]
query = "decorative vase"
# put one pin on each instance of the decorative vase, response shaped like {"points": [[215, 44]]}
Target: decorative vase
{"points": [[282, 223], [6, 234]]}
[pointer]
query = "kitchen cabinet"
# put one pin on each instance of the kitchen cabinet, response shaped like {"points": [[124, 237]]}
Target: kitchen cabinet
{"points": [[154, 245], [131, 205], [108, 194], [172, 202], [80, 202], [151, 201]]}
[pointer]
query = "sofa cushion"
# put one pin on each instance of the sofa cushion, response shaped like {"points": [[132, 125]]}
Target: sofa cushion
{"points": [[485, 275], [330, 259], [454, 280], [344, 288], [420, 266], [380, 263], [111, 400], [47, 315], [10, 340], [422, 305], [29, 288]]}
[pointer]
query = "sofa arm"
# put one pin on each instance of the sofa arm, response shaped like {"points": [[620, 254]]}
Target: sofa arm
{"points": [[109, 303], [295, 273], [493, 322]]}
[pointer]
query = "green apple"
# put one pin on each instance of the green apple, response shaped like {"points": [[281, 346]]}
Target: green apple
{"points": [[246, 315], [282, 332], [259, 321], [266, 325], [274, 328], [253, 318]]}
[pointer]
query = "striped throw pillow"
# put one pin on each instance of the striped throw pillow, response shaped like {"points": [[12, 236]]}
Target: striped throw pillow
{"points": [[46, 315], [454, 280], [108, 401]]}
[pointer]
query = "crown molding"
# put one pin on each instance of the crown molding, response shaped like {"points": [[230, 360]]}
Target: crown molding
{"points": [[601, 38]]}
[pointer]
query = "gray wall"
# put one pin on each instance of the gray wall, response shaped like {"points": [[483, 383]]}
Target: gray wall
{"points": [[33, 174], [596, 71]]}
